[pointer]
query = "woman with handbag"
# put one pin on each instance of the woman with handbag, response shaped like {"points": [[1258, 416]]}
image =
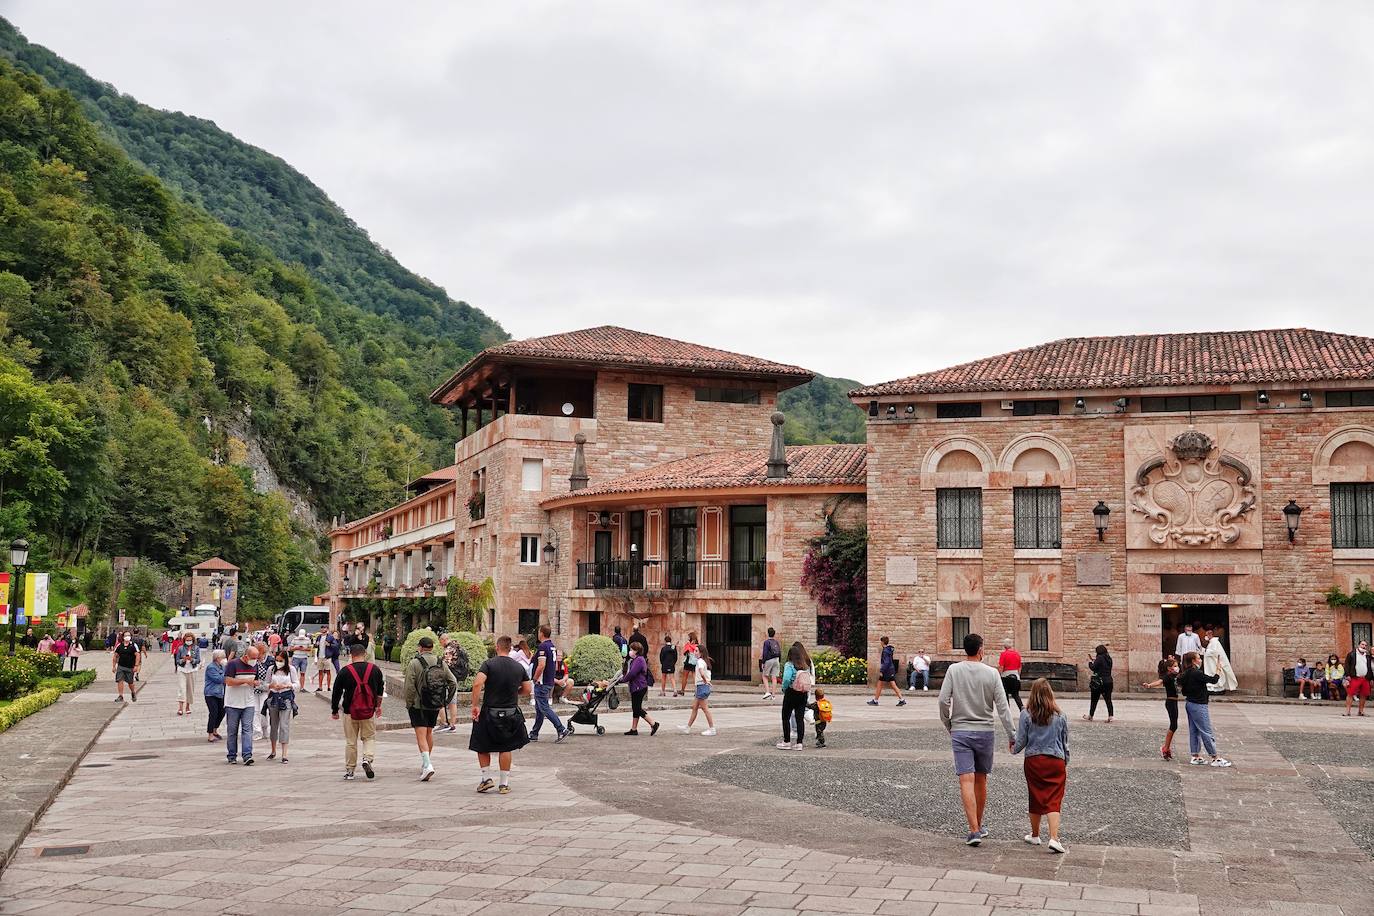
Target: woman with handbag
{"points": [[797, 681], [638, 679], [1100, 684], [498, 725], [280, 704]]}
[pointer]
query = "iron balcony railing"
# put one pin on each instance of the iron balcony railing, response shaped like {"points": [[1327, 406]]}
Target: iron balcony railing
{"points": [[744, 575]]}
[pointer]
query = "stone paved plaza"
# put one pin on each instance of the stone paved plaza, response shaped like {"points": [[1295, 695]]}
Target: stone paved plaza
{"points": [[724, 826]]}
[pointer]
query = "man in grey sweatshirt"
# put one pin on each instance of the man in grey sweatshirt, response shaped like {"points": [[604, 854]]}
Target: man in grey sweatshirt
{"points": [[969, 697]]}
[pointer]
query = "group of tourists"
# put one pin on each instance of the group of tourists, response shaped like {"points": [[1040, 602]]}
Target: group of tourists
{"points": [[1335, 679], [64, 644]]}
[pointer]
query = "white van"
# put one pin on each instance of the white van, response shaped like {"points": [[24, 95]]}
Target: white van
{"points": [[201, 626]]}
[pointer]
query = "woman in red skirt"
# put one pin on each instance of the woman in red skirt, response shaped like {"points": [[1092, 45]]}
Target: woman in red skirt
{"points": [[1043, 733]]}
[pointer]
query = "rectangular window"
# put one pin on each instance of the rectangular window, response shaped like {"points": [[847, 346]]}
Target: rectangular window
{"points": [[1038, 408], [958, 410], [682, 548], [748, 547], [529, 621], [1040, 634], [959, 518], [532, 474], [1185, 403], [1363, 397], [646, 403], [959, 627], [1352, 515], [1361, 632], [529, 551], [1035, 512], [728, 395], [593, 623]]}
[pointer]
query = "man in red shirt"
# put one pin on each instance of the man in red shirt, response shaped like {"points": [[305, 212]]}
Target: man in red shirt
{"points": [[1009, 664]]}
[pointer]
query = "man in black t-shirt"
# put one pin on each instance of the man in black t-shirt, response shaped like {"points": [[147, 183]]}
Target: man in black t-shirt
{"points": [[498, 725], [125, 660]]}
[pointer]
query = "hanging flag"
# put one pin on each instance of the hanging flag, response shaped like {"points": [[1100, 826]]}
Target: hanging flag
{"points": [[36, 594], [4, 599]]}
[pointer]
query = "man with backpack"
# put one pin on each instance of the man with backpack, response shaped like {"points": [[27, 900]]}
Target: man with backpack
{"points": [[358, 691], [456, 660], [429, 687], [545, 674], [770, 658]]}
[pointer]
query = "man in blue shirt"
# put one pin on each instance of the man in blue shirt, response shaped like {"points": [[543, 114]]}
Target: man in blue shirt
{"points": [[545, 673]]}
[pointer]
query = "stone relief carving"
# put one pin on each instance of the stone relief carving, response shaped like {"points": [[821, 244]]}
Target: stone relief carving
{"points": [[1195, 494]]}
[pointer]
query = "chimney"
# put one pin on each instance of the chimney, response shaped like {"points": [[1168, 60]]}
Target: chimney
{"points": [[578, 479], [777, 455]]}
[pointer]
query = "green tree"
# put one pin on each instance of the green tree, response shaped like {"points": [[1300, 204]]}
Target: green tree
{"points": [[97, 589], [154, 509], [139, 597]]}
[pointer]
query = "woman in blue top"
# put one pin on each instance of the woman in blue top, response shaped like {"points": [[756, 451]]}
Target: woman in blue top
{"points": [[796, 685], [1043, 733], [214, 695]]}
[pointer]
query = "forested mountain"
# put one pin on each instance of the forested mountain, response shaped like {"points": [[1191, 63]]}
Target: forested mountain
{"points": [[820, 411]]}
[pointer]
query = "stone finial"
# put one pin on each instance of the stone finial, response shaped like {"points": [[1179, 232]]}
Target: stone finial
{"points": [[578, 479], [777, 454]]}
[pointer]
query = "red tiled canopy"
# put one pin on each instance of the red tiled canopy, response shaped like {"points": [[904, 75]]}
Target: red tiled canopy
{"points": [[1152, 360]]}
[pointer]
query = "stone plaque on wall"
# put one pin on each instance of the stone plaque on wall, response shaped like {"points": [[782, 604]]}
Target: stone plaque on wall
{"points": [[1094, 569], [901, 570]]}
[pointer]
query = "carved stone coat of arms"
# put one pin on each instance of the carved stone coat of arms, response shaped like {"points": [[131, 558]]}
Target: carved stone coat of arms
{"points": [[1195, 494]]}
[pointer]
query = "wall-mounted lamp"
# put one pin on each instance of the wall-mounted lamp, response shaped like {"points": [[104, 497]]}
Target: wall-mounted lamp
{"points": [[1079, 404], [910, 409], [892, 410], [1291, 514], [1305, 396], [1121, 404], [1101, 512], [872, 408], [1262, 397], [604, 519]]}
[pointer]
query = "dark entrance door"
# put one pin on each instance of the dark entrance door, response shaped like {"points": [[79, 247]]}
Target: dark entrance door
{"points": [[682, 548], [1173, 617], [636, 570], [728, 641], [748, 546]]}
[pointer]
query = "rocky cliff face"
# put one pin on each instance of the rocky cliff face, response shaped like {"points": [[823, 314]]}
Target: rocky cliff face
{"points": [[245, 448]]}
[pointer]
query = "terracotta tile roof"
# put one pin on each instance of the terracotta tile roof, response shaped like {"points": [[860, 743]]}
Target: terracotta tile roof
{"points": [[623, 348], [808, 465], [437, 476], [1150, 360], [215, 563]]}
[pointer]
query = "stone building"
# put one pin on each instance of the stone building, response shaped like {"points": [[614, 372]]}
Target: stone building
{"points": [[612, 478], [216, 581], [1231, 476]]}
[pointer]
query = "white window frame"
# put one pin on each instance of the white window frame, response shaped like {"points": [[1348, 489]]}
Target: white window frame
{"points": [[529, 547]]}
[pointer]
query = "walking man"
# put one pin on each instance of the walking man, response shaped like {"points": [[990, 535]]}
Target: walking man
{"points": [[240, 681], [125, 660], [667, 665], [769, 660], [498, 726], [429, 687], [545, 673], [358, 691], [970, 697], [1360, 670], [887, 674], [1009, 665], [301, 646]]}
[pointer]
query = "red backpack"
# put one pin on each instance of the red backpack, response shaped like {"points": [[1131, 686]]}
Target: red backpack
{"points": [[363, 704]]}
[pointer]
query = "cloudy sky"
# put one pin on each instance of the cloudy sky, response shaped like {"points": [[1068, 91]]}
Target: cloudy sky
{"points": [[867, 190]]}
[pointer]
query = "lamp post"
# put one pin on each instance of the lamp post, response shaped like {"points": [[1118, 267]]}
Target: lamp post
{"points": [[429, 578], [217, 583], [19, 558], [1291, 513], [1100, 514]]}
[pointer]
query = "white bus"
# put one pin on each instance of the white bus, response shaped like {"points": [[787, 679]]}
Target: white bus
{"points": [[313, 617]]}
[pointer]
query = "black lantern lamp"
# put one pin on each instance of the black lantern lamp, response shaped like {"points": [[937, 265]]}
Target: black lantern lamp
{"points": [[429, 574], [345, 583], [604, 519], [1291, 513], [19, 558], [1100, 514]]}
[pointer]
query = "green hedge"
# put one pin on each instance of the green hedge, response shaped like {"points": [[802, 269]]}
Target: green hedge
{"points": [[411, 647], [69, 681], [46, 664], [476, 651], [593, 658], [834, 668], [12, 712], [17, 676]]}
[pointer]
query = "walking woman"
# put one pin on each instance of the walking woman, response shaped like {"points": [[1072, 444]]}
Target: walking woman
{"points": [[1168, 679], [74, 652], [797, 682], [281, 704], [1043, 733], [187, 662], [214, 695], [690, 652], [700, 701], [637, 676], [1195, 695], [1100, 684]]}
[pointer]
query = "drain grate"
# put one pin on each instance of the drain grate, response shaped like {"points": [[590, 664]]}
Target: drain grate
{"points": [[49, 851], [91, 766], [139, 757]]}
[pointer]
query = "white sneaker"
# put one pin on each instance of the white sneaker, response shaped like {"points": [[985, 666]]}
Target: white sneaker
{"points": [[767, 696], [911, 690], [925, 688], [1197, 762], [1056, 846], [783, 745], [426, 773], [711, 732], [1032, 839], [1221, 762], [684, 729], [796, 747]]}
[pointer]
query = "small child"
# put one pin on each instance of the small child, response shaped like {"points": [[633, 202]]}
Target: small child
{"points": [[823, 711]]}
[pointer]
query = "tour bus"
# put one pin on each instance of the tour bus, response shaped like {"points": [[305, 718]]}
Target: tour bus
{"points": [[313, 617]]}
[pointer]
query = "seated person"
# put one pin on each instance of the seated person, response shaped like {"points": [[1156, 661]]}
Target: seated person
{"points": [[1335, 679], [1302, 674]]}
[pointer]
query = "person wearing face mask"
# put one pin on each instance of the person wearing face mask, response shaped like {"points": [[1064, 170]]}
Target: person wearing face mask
{"points": [[266, 664], [240, 677], [125, 661], [281, 704], [1168, 679], [300, 654], [187, 661]]}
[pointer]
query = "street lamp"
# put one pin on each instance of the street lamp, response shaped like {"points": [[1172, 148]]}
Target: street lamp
{"points": [[19, 558], [429, 577], [1100, 514], [1291, 513]]}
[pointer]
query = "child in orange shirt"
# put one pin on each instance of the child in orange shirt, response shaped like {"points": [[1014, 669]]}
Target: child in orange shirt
{"points": [[823, 711]]}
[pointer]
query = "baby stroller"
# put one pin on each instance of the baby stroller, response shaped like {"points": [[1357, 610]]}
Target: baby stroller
{"points": [[585, 713]]}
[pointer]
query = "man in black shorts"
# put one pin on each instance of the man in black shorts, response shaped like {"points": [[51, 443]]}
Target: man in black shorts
{"points": [[124, 664], [429, 688], [498, 726]]}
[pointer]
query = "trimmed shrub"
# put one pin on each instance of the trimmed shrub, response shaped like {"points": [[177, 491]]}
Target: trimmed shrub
{"points": [[26, 705], [411, 647], [69, 681], [476, 651], [834, 668], [17, 676], [593, 658], [45, 663]]}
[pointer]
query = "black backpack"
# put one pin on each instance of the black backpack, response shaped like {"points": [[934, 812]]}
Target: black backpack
{"points": [[435, 689], [461, 667]]}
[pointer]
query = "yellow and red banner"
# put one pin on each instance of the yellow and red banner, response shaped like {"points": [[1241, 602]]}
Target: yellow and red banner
{"points": [[4, 598]]}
